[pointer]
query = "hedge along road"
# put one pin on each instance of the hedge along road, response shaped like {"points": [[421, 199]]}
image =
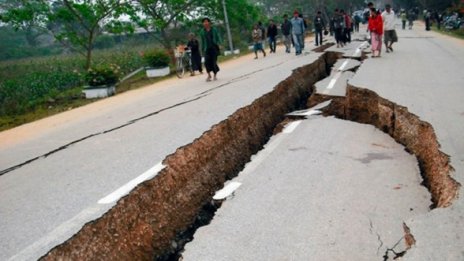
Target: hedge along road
{"points": [[69, 162]]}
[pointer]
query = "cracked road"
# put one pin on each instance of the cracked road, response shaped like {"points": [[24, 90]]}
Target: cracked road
{"points": [[316, 206], [83, 155], [55, 170]]}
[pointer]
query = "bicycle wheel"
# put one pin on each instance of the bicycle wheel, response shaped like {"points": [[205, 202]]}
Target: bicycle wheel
{"points": [[189, 64], [180, 70]]}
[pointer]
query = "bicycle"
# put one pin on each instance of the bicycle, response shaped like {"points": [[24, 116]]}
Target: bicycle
{"points": [[183, 61]]}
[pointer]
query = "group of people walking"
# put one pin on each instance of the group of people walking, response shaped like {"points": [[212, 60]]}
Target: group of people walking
{"points": [[210, 42], [293, 31], [381, 24], [341, 26]]}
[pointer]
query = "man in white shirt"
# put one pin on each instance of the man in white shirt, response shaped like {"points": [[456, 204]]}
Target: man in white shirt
{"points": [[390, 36]]}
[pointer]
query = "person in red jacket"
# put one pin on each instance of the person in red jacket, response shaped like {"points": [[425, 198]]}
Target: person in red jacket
{"points": [[376, 29]]}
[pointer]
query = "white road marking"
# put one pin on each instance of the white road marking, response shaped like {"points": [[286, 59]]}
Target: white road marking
{"points": [[227, 190], [308, 112], [291, 127], [358, 50], [332, 83], [344, 64], [124, 190]]}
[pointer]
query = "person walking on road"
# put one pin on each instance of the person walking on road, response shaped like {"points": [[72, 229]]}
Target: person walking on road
{"points": [[367, 14], [210, 41], [263, 34], [404, 18], [438, 19], [339, 27], [427, 17], [376, 28], [194, 47], [390, 36], [319, 27], [256, 34], [348, 25], [272, 35], [356, 21], [286, 28], [411, 18], [297, 32]]}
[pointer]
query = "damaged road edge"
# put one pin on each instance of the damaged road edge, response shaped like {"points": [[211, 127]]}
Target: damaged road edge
{"points": [[365, 106], [144, 224]]}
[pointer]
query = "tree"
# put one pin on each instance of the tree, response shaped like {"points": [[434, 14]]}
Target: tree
{"points": [[242, 15], [427, 4], [80, 22], [74, 23], [163, 15], [24, 15]]}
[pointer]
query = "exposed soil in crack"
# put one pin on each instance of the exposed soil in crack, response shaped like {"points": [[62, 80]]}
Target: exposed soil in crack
{"points": [[323, 47], [148, 223], [408, 237], [409, 241]]}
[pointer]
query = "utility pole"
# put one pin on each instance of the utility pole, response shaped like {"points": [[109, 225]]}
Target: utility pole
{"points": [[229, 35]]}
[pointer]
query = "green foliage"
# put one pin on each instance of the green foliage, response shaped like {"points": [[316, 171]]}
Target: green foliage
{"points": [[74, 23], [26, 85], [103, 74], [242, 15], [157, 58], [160, 14]]}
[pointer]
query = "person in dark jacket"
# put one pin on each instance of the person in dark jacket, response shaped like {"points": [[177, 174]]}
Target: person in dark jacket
{"points": [[339, 27], [194, 47], [319, 27], [286, 28], [428, 21], [348, 27], [210, 41], [272, 35], [263, 34]]}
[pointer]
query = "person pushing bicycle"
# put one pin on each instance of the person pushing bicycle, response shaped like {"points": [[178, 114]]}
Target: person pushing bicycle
{"points": [[194, 47]]}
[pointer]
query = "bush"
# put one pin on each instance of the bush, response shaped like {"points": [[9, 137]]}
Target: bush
{"points": [[103, 74], [157, 58]]}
